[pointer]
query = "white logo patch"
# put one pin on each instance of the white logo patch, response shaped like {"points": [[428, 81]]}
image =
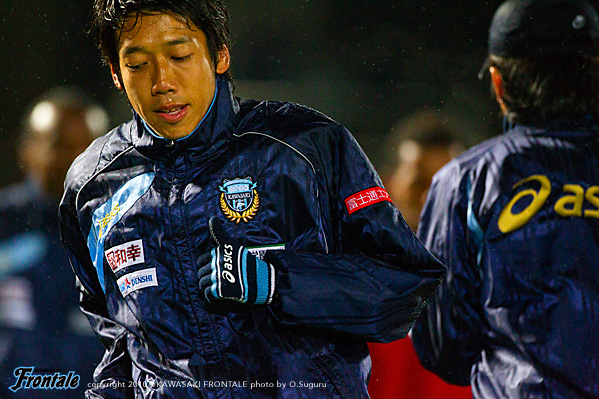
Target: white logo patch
{"points": [[127, 254], [260, 252], [137, 280]]}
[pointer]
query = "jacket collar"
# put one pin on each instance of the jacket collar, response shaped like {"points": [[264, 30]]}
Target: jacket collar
{"points": [[558, 128], [212, 132]]}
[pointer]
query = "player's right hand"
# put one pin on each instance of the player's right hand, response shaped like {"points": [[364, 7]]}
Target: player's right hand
{"points": [[231, 272]]}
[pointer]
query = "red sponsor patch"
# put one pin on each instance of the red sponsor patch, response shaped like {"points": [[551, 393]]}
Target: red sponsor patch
{"points": [[127, 254], [366, 198]]}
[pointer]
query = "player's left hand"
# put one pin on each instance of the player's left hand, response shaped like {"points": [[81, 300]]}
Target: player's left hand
{"points": [[231, 272]]}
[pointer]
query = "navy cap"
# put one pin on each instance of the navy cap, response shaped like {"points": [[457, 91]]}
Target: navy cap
{"points": [[532, 28]]}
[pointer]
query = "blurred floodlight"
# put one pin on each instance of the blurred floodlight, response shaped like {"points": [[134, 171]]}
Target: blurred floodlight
{"points": [[97, 120], [43, 117]]}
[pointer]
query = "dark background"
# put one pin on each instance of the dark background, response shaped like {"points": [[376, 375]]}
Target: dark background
{"points": [[364, 63]]}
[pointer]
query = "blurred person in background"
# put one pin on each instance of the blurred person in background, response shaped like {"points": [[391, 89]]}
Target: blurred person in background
{"points": [[416, 148], [516, 219], [41, 325]]}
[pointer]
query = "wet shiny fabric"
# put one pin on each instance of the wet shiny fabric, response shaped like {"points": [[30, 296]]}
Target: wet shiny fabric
{"points": [[516, 220], [342, 278]]}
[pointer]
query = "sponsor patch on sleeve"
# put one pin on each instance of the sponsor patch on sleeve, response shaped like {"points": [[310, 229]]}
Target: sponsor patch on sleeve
{"points": [[127, 254], [366, 198], [137, 280]]}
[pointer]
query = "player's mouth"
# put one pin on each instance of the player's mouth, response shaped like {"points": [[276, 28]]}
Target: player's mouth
{"points": [[172, 113]]}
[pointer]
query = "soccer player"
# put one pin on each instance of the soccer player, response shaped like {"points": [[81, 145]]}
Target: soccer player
{"points": [[229, 248], [41, 325], [516, 219]]}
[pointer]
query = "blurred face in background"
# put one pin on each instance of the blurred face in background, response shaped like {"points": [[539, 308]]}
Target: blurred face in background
{"points": [[166, 71], [57, 136], [411, 180]]}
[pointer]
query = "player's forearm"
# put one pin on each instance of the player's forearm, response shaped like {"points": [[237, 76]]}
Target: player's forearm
{"points": [[351, 294]]}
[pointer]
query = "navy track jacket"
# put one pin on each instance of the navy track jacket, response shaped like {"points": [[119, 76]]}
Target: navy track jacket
{"points": [[289, 183], [516, 221]]}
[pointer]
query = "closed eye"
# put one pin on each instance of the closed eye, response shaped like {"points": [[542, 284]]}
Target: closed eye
{"points": [[135, 67], [181, 59]]}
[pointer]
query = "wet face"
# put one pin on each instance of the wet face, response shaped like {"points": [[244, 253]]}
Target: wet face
{"points": [[409, 184], [166, 70]]}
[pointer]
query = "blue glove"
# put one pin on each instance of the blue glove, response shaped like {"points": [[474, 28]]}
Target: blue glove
{"points": [[231, 272]]}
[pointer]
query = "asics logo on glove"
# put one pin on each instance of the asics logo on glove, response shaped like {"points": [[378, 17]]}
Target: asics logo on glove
{"points": [[231, 272], [228, 263]]}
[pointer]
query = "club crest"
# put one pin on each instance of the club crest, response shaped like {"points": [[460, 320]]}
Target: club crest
{"points": [[239, 199]]}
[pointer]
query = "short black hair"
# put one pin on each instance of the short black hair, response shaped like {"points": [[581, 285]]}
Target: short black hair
{"points": [[211, 16], [542, 89]]}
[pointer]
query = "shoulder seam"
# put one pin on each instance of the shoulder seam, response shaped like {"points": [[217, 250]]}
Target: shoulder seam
{"points": [[282, 142], [98, 171]]}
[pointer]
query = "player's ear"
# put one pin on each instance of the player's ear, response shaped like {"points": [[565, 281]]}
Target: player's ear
{"points": [[224, 60], [116, 78], [497, 81]]}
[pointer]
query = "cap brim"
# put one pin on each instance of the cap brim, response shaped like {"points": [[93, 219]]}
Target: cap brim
{"points": [[484, 69]]}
